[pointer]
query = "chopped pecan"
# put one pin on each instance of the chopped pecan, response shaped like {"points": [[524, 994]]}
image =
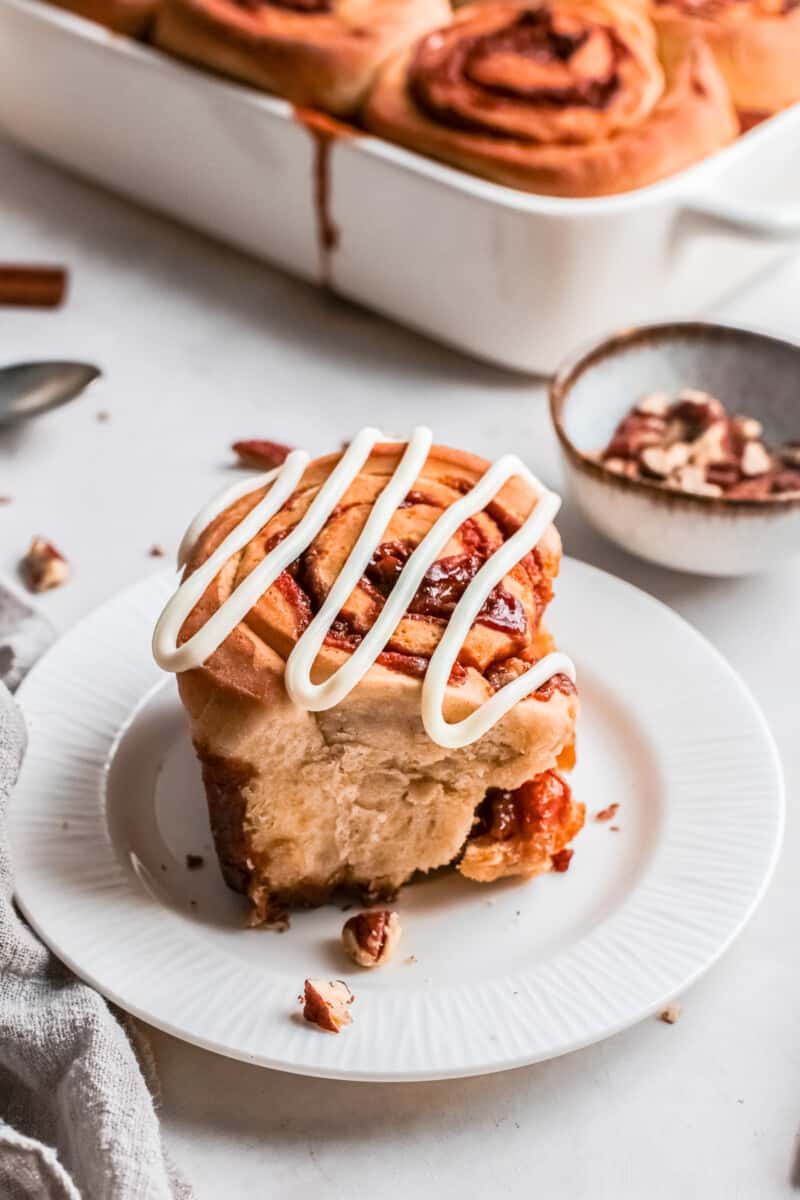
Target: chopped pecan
{"points": [[561, 859], [661, 461], [370, 938], [44, 567], [790, 454], [634, 433], [746, 429], [653, 404], [693, 480], [261, 454], [755, 460], [697, 408], [785, 481], [325, 1004], [751, 489]]}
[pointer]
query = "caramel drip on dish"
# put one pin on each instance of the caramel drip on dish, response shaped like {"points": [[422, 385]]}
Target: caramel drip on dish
{"points": [[324, 131]]}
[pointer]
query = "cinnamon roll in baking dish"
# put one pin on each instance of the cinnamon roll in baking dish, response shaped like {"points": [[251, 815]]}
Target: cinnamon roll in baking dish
{"points": [[318, 53], [131, 17], [566, 97], [371, 690], [756, 44]]}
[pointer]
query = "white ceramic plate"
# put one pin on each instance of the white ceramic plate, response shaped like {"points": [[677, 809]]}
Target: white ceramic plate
{"points": [[110, 803]]}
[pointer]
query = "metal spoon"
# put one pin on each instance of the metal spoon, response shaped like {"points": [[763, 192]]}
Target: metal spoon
{"points": [[28, 389]]}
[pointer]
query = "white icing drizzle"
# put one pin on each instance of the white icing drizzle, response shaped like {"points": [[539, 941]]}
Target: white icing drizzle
{"points": [[316, 697]]}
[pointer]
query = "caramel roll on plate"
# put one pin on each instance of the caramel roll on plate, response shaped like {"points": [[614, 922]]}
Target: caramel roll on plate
{"points": [[311, 790], [756, 45], [567, 98], [317, 53]]}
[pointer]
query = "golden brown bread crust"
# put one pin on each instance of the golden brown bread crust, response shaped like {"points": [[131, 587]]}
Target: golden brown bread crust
{"points": [[131, 17], [322, 56], [567, 98], [358, 796], [756, 46]]}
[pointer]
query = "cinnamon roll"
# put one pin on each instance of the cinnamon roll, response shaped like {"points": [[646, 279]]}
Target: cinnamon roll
{"points": [[565, 97], [307, 796], [317, 53], [131, 17], [756, 45]]}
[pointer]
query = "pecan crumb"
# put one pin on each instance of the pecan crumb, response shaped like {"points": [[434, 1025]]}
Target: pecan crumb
{"points": [[103, 415], [671, 1013], [157, 551], [613, 828], [43, 567], [195, 861], [325, 1004], [561, 859], [370, 938], [606, 814], [261, 454]]}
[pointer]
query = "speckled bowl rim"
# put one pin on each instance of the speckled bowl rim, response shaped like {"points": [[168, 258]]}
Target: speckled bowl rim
{"points": [[578, 363]]}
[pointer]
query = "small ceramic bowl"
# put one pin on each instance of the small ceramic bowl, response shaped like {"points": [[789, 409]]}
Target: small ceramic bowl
{"points": [[751, 373]]}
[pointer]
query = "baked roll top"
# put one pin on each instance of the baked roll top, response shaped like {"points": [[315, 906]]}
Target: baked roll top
{"points": [[755, 43], [318, 53], [508, 632], [567, 98]]}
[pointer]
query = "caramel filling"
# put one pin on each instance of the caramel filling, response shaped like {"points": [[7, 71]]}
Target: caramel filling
{"points": [[505, 636]]}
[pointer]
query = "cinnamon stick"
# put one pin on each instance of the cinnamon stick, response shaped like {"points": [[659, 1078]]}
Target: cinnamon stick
{"points": [[29, 286]]}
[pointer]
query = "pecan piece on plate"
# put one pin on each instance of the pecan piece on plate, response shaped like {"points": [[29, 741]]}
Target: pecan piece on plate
{"points": [[326, 1004], [370, 938]]}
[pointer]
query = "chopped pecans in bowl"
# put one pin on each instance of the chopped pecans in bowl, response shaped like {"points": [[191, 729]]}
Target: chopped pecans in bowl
{"points": [[689, 443]]}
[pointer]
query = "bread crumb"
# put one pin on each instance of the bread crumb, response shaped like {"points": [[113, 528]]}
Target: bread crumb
{"points": [[671, 1014]]}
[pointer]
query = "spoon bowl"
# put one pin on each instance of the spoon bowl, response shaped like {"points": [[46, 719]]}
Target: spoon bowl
{"points": [[28, 389]]}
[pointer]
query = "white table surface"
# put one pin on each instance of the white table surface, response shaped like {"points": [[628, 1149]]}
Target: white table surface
{"points": [[201, 346]]}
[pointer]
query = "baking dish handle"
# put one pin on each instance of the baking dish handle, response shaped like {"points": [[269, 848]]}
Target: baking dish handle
{"points": [[753, 219]]}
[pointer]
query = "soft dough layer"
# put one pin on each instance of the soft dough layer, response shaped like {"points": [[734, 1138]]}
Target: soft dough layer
{"points": [[359, 796]]}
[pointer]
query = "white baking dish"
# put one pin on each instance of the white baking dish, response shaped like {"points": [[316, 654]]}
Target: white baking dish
{"points": [[509, 277]]}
